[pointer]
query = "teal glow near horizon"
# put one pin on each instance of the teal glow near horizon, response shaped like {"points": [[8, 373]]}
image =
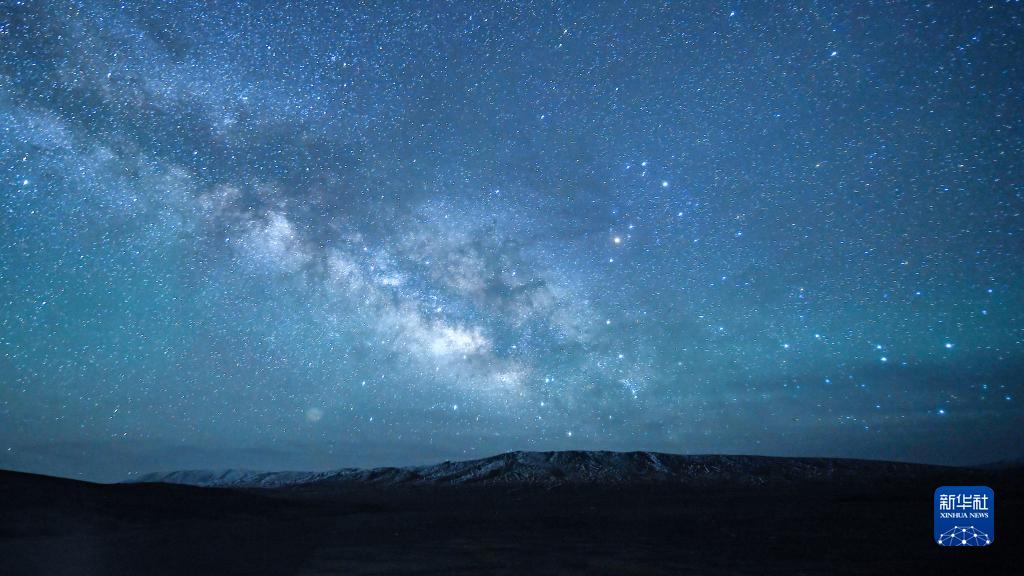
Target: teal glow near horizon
{"points": [[302, 236]]}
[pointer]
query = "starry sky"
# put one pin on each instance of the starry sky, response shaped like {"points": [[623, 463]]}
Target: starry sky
{"points": [[311, 235]]}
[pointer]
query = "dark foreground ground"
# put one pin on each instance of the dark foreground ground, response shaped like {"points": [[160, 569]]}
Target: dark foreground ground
{"points": [[52, 526]]}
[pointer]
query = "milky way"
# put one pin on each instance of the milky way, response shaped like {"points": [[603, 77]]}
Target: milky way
{"points": [[308, 235]]}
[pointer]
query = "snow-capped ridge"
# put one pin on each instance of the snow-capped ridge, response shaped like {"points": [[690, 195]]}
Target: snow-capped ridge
{"points": [[233, 477], [568, 467]]}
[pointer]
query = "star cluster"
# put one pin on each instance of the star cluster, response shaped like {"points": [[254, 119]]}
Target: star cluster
{"points": [[316, 234]]}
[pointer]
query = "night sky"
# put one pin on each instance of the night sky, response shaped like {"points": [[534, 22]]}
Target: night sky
{"points": [[307, 236]]}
